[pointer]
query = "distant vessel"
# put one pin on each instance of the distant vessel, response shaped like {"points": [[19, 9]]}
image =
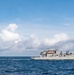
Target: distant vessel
{"points": [[54, 54]]}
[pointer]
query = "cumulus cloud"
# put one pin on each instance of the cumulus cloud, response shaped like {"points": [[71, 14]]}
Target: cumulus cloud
{"points": [[12, 27], [11, 40], [8, 34], [32, 42], [57, 38], [66, 45]]}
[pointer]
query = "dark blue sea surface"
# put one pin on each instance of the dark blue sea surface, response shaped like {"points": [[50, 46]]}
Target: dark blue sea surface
{"points": [[26, 66]]}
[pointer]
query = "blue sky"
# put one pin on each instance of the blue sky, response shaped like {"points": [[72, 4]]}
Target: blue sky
{"points": [[38, 13], [40, 18]]}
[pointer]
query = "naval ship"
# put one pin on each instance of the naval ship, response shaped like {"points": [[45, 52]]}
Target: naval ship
{"points": [[54, 54]]}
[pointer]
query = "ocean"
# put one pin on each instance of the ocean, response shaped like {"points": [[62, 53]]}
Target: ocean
{"points": [[26, 66]]}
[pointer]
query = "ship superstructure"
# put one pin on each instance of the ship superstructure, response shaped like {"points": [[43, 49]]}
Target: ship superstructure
{"points": [[54, 54]]}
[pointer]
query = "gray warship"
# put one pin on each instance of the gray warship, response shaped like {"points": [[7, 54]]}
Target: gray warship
{"points": [[54, 54]]}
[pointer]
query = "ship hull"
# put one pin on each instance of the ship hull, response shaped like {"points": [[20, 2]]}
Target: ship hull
{"points": [[53, 58]]}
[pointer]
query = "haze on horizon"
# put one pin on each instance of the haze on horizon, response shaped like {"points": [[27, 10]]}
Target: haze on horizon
{"points": [[27, 27]]}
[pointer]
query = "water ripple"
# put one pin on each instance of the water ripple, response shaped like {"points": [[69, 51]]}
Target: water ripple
{"points": [[22, 66]]}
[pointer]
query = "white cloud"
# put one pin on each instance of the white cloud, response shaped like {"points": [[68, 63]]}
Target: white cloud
{"points": [[32, 42], [11, 40], [8, 34], [57, 38], [12, 27], [61, 37], [66, 45]]}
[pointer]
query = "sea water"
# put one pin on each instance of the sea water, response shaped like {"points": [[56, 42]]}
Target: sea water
{"points": [[26, 66]]}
